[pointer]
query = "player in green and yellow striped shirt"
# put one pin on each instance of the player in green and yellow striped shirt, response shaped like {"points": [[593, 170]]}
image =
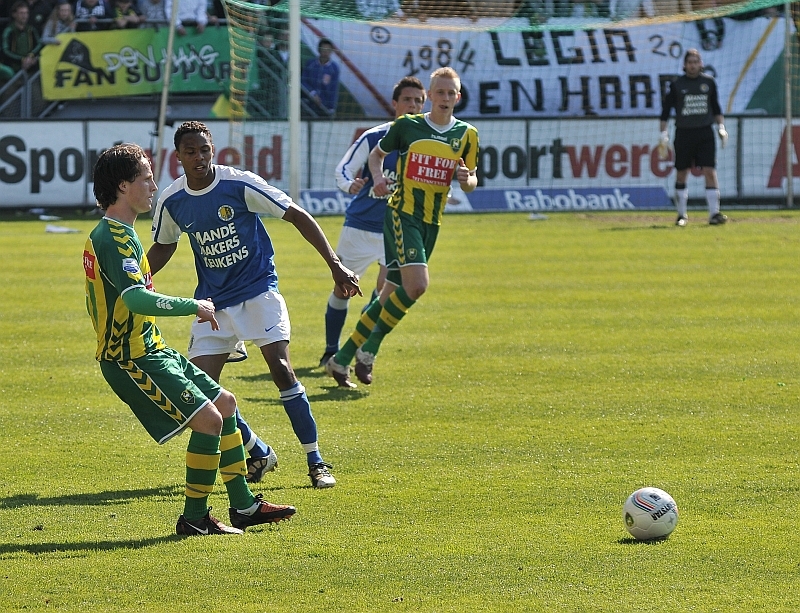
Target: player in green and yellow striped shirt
{"points": [[165, 391], [434, 149]]}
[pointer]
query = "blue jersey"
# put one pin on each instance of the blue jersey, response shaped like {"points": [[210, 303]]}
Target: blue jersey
{"points": [[366, 211], [322, 80], [233, 253]]}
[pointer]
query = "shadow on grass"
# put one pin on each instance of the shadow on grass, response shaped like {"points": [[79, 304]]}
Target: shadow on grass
{"points": [[119, 497], [634, 228], [333, 392], [307, 372], [7, 549], [258, 400], [341, 394], [632, 541], [98, 498]]}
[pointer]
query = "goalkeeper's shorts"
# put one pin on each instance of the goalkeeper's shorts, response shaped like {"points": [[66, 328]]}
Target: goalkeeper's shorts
{"points": [[695, 147]]}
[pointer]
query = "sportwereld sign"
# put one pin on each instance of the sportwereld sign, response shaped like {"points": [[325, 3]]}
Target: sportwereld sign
{"points": [[524, 165]]}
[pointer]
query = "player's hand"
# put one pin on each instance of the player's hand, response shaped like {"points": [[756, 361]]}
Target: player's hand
{"points": [[723, 135], [346, 280], [462, 173], [356, 185], [205, 312], [380, 187], [663, 146]]}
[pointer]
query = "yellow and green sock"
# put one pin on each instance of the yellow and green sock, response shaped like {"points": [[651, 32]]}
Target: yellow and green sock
{"points": [[202, 463], [232, 465]]}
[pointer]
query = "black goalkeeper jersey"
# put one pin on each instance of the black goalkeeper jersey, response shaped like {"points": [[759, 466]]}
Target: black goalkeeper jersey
{"points": [[695, 101]]}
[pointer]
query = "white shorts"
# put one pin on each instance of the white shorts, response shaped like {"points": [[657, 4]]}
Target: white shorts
{"points": [[263, 320], [358, 249]]}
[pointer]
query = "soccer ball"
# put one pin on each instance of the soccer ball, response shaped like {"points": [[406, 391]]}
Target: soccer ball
{"points": [[649, 514]]}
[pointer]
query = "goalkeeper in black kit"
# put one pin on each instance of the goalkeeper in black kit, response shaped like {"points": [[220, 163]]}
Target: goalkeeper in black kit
{"points": [[696, 102]]}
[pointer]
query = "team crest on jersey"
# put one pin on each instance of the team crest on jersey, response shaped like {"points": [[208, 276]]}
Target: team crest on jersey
{"points": [[455, 144], [225, 212], [130, 266], [412, 254], [704, 88], [187, 397]]}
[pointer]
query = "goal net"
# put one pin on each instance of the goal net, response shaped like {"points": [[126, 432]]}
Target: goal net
{"points": [[565, 94]]}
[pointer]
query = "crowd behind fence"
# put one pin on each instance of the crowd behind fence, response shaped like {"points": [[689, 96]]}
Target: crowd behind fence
{"points": [[28, 25]]}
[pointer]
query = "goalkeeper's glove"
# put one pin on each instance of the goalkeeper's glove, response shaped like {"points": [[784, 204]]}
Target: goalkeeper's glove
{"points": [[723, 135], [663, 146]]}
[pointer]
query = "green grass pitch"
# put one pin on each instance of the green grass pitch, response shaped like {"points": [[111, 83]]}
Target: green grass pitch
{"points": [[552, 368]]}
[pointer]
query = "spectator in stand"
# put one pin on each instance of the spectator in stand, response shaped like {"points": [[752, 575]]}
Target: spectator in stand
{"points": [[190, 13], [38, 13], [61, 21], [153, 11], [92, 15], [126, 15], [268, 97], [320, 78], [21, 42], [215, 11], [282, 45]]}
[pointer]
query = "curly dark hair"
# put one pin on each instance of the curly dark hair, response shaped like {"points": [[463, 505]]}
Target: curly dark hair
{"points": [[115, 165], [191, 127]]}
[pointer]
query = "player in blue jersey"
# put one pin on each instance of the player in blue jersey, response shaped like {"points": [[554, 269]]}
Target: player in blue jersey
{"points": [[218, 207], [361, 241]]}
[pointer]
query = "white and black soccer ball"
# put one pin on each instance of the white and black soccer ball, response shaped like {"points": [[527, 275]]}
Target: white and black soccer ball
{"points": [[650, 514]]}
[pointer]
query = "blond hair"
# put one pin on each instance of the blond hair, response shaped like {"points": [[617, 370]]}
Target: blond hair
{"points": [[446, 73]]}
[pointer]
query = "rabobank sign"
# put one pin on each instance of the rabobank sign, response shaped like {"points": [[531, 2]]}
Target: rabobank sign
{"points": [[334, 202], [586, 199], [324, 202]]}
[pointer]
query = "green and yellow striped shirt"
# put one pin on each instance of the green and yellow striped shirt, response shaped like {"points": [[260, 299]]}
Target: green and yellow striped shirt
{"points": [[114, 262], [427, 162]]}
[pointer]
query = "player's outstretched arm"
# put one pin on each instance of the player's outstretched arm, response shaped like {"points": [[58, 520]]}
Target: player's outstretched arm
{"points": [[158, 255], [349, 168], [375, 161], [147, 302], [344, 278]]}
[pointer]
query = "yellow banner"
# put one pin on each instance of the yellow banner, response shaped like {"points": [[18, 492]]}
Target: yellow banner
{"points": [[131, 62]]}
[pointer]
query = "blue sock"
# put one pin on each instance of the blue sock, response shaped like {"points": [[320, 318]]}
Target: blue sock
{"points": [[335, 316], [252, 444], [297, 407]]}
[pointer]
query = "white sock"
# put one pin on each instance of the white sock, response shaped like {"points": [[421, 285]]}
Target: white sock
{"points": [[681, 200], [340, 304], [712, 197]]}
